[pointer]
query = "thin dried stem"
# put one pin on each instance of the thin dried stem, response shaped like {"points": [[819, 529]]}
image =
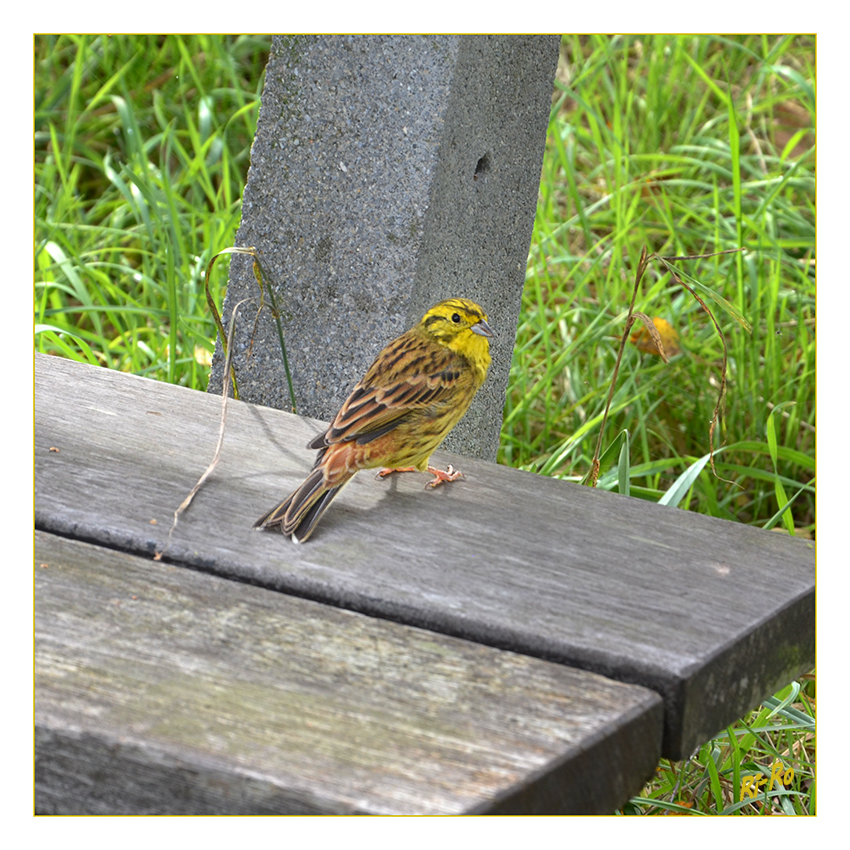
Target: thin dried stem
{"points": [[632, 315], [184, 505], [720, 396], [594, 469]]}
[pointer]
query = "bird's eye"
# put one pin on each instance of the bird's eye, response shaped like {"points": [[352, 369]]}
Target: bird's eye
{"points": [[456, 318]]}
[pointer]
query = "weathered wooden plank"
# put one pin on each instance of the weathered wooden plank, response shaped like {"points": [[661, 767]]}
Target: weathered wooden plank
{"points": [[166, 690], [710, 614]]}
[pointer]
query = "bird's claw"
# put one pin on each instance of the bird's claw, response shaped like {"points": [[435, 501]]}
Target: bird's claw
{"points": [[451, 474]]}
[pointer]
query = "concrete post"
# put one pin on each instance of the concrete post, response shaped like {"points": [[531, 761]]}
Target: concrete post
{"points": [[388, 173]]}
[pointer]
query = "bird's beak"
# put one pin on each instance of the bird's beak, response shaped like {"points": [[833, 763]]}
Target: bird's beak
{"points": [[482, 329]]}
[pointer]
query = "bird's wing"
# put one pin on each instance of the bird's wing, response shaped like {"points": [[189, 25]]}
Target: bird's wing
{"points": [[409, 374]]}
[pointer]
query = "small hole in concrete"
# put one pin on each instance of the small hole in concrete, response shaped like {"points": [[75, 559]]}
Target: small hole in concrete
{"points": [[482, 166]]}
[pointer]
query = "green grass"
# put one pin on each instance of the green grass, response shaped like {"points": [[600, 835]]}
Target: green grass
{"points": [[777, 738], [141, 154], [685, 145], [681, 144]]}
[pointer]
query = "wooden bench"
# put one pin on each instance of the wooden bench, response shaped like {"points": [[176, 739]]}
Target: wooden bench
{"points": [[507, 644]]}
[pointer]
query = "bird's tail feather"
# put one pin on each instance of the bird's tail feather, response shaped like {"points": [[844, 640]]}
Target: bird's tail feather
{"points": [[298, 514], [302, 527]]}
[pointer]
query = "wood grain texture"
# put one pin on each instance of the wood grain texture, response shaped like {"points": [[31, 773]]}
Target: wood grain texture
{"points": [[166, 690], [712, 615]]}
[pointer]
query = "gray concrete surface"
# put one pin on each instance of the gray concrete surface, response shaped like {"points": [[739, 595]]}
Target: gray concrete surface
{"points": [[388, 173]]}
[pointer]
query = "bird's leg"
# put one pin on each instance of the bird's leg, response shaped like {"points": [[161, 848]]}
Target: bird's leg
{"points": [[385, 472], [451, 474]]}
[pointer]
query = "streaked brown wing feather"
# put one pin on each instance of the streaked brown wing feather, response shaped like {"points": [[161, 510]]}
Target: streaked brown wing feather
{"points": [[409, 374]]}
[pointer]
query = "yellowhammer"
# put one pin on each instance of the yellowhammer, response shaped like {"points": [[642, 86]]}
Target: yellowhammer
{"points": [[414, 393]]}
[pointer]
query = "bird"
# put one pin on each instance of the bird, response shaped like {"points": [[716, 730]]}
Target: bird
{"points": [[413, 394]]}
